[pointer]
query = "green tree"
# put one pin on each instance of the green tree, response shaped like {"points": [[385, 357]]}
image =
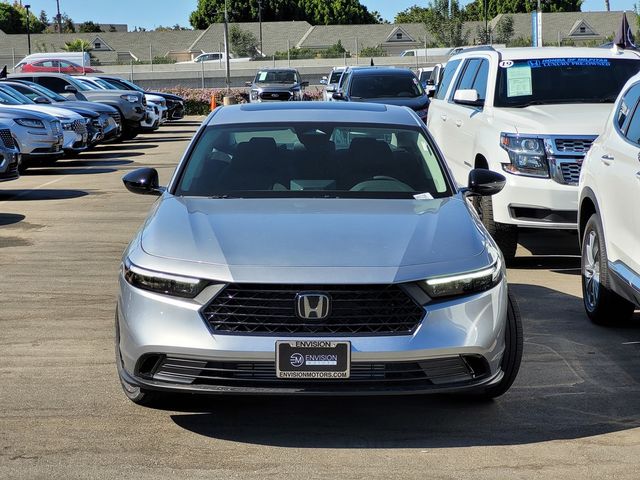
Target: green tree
{"points": [[504, 30], [444, 21], [43, 17], [89, 27], [243, 44], [67, 24], [13, 19], [475, 9], [77, 45], [413, 14], [316, 12]]}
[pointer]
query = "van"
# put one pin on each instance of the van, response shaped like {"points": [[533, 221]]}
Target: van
{"points": [[79, 58]]}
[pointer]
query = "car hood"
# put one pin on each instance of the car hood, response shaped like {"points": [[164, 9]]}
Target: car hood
{"points": [[253, 238], [274, 86], [415, 103], [561, 119], [55, 111], [168, 96], [92, 106], [14, 112]]}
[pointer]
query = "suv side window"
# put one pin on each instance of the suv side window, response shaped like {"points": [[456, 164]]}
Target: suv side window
{"points": [[482, 77], [633, 130], [447, 77], [53, 83], [628, 103], [468, 74]]}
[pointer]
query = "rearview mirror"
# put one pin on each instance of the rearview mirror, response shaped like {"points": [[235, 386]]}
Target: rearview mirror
{"points": [[468, 97], [70, 89], [483, 182], [41, 100], [143, 181]]}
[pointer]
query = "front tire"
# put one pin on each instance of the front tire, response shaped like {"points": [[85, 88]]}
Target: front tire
{"points": [[512, 355], [505, 235], [603, 305]]}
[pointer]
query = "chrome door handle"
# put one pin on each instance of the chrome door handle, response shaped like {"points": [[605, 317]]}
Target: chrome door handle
{"points": [[458, 123], [606, 159], [443, 118]]}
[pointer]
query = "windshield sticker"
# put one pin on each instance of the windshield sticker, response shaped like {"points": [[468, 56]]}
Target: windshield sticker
{"points": [[262, 76], [519, 81], [506, 64], [569, 62], [423, 196]]}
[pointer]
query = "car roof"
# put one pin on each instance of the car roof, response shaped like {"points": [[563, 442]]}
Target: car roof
{"points": [[382, 70], [277, 69], [39, 74], [322, 112], [518, 53]]}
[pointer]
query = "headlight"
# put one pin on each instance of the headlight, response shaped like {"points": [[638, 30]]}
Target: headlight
{"points": [[130, 98], [29, 122], [468, 282], [527, 155], [167, 284], [254, 94], [67, 125]]}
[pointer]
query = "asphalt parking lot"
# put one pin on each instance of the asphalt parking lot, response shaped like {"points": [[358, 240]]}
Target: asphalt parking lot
{"points": [[574, 411]]}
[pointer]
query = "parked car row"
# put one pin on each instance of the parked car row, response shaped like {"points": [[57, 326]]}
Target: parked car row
{"points": [[51, 115]]}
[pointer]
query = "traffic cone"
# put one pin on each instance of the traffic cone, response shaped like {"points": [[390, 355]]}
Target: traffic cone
{"points": [[213, 103]]}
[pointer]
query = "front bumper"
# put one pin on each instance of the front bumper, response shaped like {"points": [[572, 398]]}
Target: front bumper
{"points": [[457, 331], [537, 203], [9, 163]]}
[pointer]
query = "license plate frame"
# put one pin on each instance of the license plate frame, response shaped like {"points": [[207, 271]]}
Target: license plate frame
{"points": [[313, 359]]}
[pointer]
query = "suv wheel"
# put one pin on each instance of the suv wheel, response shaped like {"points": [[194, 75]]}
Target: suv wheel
{"points": [[512, 352], [505, 235], [603, 305]]}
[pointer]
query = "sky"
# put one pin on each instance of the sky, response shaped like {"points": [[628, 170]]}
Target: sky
{"points": [[152, 13]]}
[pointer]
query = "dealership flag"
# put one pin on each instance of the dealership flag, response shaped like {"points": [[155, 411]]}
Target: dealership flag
{"points": [[624, 37]]}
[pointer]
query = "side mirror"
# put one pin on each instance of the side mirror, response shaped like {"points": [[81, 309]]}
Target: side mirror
{"points": [[484, 183], [70, 89], [143, 181], [431, 82], [248, 84], [304, 84], [468, 97], [41, 100], [431, 93], [338, 96]]}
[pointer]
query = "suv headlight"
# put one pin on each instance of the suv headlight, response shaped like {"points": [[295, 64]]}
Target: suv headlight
{"points": [[466, 283], [67, 125], [30, 122], [165, 283], [527, 155], [130, 98], [254, 94]]}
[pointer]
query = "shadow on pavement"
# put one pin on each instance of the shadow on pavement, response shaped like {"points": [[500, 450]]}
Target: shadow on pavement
{"points": [[10, 218], [577, 380], [97, 161], [159, 140], [62, 170], [109, 148], [555, 250], [41, 194]]}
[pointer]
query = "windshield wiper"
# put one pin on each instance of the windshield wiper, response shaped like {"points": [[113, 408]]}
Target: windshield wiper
{"points": [[222, 196]]}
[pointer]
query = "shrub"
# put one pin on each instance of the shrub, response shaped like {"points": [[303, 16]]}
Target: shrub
{"points": [[373, 52]]}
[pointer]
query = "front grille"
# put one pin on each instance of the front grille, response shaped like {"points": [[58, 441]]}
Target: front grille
{"points": [[7, 138], [115, 116], [79, 126], [577, 145], [275, 95], [570, 172], [364, 375], [355, 310]]}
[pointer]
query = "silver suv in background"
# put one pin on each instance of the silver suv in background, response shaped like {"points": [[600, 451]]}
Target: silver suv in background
{"points": [[332, 83], [276, 84], [9, 155]]}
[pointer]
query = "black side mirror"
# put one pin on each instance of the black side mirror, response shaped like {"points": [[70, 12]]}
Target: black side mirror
{"points": [[248, 84], [431, 93], [41, 100], [304, 84], [143, 181], [70, 89], [431, 82], [338, 96], [484, 182]]}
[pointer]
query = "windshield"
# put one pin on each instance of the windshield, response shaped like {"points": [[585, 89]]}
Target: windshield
{"points": [[104, 84], [562, 80], [8, 99], [45, 92], [80, 86], [385, 86], [88, 84], [313, 160], [276, 76], [17, 95], [335, 76]]}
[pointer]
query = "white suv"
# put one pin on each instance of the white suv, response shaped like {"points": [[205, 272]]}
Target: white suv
{"points": [[532, 113], [609, 217]]}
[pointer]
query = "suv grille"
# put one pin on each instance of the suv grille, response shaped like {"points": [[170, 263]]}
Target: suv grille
{"points": [[80, 127], [372, 375], [577, 145], [275, 95], [570, 172], [355, 310], [7, 138]]}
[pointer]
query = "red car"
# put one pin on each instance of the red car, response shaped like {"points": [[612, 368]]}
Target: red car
{"points": [[55, 66]]}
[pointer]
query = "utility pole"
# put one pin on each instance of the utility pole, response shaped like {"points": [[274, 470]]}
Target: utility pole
{"points": [[486, 20], [226, 46], [260, 23], [59, 18], [27, 7]]}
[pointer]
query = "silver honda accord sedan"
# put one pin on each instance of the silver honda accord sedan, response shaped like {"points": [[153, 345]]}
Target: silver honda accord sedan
{"points": [[314, 248]]}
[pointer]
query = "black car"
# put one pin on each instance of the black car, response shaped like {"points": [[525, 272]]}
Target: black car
{"points": [[175, 103], [388, 85]]}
